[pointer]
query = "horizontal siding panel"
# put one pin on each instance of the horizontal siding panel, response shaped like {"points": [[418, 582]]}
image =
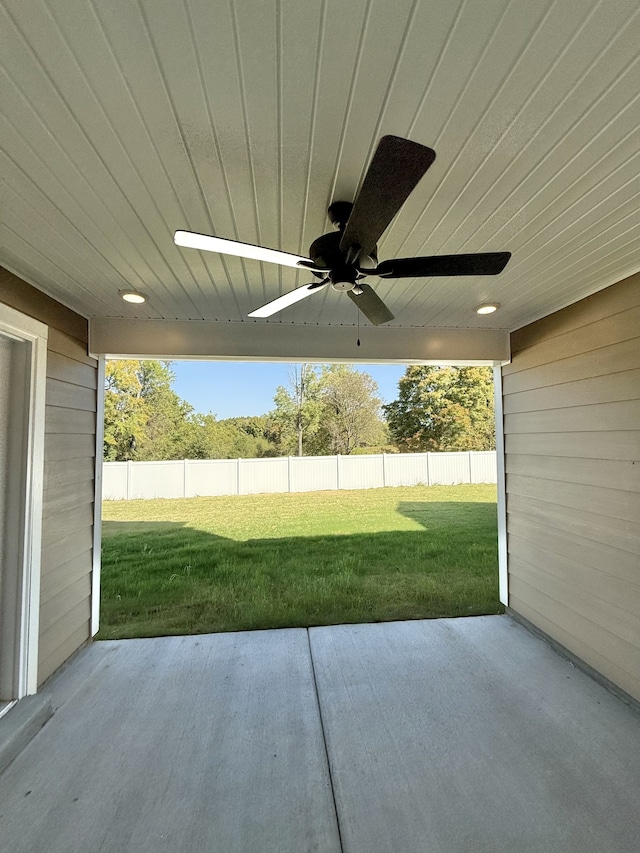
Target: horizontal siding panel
{"points": [[595, 651], [58, 606], [58, 446], [590, 445], [53, 656], [571, 402], [62, 472], [69, 396], [602, 416], [59, 525], [581, 628], [587, 599], [610, 474], [69, 370], [614, 388], [526, 535], [70, 421], [53, 582], [70, 619], [585, 579], [616, 532], [68, 497], [57, 554], [610, 330], [73, 348], [603, 362], [612, 300], [609, 502]]}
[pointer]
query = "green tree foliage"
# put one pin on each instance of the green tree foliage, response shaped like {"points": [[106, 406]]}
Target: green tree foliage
{"points": [[262, 429], [125, 411], [328, 409], [146, 420], [144, 417], [443, 408], [325, 409], [350, 416], [298, 407], [233, 438], [167, 414]]}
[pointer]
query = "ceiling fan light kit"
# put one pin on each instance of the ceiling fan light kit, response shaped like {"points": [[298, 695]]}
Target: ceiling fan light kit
{"points": [[345, 257]]}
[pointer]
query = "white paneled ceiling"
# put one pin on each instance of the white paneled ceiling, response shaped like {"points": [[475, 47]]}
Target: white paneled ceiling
{"points": [[125, 120]]}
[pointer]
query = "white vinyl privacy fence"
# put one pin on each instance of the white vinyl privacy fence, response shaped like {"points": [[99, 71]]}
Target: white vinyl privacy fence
{"points": [[196, 478]]}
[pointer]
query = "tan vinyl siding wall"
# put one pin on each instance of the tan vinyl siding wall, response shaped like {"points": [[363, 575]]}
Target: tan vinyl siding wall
{"points": [[70, 425], [572, 445]]}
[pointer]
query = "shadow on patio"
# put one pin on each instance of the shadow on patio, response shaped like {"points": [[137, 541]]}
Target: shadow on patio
{"points": [[445, 735]]}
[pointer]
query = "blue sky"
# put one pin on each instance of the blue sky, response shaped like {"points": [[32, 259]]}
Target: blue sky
{"points": [[234, 388]]}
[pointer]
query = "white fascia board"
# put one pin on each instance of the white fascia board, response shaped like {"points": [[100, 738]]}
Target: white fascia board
{"points": [[199, 339]]}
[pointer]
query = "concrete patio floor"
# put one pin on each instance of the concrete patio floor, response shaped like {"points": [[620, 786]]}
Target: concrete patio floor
{"points": [[448, 735]]}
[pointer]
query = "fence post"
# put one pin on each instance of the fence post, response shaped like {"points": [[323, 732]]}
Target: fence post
{"points": [[429, 477], [384, 470], [128, 479], [238, 492], [337, 471], [470, 467], [288, 473], [185, 479]]}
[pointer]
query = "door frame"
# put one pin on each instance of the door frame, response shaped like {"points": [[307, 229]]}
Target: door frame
{"points": [[24, 591]]}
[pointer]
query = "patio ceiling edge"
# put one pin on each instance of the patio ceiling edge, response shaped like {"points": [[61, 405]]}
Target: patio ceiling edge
{"points": [[198, 339]]}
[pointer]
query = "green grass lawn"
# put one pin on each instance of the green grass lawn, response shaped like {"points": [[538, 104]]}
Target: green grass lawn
{"points": [[318, 558]]}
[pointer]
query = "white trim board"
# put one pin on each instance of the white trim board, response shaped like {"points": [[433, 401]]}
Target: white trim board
{"points": [[281, 342], [503, 565], [26, 605], [97, 502]]}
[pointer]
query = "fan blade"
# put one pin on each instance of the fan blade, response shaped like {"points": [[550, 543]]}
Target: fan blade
{"points": [[393, 173], [371, 305], [486, 263], [288, 299], [206, 243]]}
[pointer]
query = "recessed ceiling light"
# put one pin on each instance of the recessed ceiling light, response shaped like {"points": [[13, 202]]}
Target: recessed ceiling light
{"points": [[487, 307], [133, 296]]}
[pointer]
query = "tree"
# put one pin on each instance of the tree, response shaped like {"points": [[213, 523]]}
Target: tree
{"points": [[324, 410], [350, 414], [144, 417], [298, 408], [262, 429], [167, 414], [125, 411], [443, 408], [333, 408], [231, 438]]}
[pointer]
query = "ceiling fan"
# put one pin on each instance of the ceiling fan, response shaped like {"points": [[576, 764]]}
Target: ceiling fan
{"points": [[345, 257]]}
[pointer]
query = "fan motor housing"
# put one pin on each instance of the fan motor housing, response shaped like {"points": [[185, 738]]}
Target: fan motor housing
{"points": [[326, 253]]}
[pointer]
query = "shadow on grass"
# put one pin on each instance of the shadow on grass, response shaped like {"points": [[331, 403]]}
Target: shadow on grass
{"points": [[167, 578], [455, 513]]}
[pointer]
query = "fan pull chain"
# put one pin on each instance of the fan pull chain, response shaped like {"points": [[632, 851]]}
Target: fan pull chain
{"points": [[358, 313]]}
